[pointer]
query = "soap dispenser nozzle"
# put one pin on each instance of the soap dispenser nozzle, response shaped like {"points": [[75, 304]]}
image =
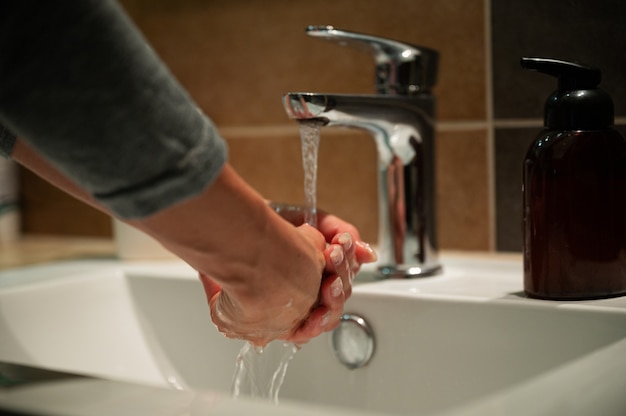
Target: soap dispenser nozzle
{"points": [[571, 75], [578, 103]]}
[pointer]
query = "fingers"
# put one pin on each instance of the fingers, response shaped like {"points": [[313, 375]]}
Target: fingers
{"points": [[326, 316], [338, 263], [365, 253], [225, 318], [339, 251], [315, 237], [219, 313], [343, 259], [355, 252], [332, 227], [211, 288], [349, 249]]}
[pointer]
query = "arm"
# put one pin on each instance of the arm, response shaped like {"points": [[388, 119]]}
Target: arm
{"points": [[251, 262], [100, 116]]}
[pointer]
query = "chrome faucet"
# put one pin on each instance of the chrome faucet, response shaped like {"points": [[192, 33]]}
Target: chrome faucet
{"points": [[400, 117]]}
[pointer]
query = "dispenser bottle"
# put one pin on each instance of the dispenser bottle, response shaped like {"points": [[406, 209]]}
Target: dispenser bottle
{"points": [[574, 192]]}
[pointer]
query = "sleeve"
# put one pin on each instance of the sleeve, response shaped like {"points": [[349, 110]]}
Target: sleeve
{"points": [[80, 84]]}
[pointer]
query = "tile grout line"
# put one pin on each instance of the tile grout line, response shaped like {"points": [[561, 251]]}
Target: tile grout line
{"points": [[491, 174], [260, 131], [513, 123], [461, 125], [535, 122], [490, 123]]}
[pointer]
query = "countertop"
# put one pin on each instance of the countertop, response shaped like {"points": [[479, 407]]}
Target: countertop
{"points": [[477, 299], [38, 249], [31, 250]]}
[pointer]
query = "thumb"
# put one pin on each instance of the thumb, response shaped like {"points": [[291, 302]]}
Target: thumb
{"points": [[220, 315], [313, 235], [211, 288]]}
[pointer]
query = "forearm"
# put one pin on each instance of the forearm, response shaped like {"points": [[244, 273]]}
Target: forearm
{"points": [[106, 122], [228, 232], [231, 234], [26, 156]]}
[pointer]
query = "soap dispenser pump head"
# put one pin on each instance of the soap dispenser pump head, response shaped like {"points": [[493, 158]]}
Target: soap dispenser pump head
{"points": [[578, 103], [571, 75]]}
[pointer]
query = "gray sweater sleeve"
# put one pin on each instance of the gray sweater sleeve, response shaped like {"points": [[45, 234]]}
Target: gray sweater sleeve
{"points": [[80, 85]]}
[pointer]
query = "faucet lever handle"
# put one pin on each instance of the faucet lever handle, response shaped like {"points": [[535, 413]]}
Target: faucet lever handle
{"points": [[401, 68]]}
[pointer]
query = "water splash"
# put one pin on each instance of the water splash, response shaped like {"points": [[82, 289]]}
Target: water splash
{"points": [[310, 137], [260, 371]]}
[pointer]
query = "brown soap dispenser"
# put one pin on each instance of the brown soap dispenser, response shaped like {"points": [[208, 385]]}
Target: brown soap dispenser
{"points": [[574, 192]]}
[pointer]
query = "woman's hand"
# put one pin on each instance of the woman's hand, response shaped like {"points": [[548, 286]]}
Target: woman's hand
{"points": [[280, 305], [344, 252], [339, 233], [356, 251], [268, 279]]}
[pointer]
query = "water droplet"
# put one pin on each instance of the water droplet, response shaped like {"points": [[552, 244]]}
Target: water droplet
{"points": [[261, 374]]}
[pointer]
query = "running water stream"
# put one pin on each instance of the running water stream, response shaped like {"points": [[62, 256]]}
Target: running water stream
{"points": [[310, 137], [260, 371]]}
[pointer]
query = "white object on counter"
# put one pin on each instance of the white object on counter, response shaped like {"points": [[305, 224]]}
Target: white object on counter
{"points": [[9, 213], [132, 244]]}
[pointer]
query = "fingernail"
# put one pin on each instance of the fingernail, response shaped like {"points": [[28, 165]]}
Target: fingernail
{"points": [[336, 255], [345, 240], [336, 288], [369, 250], [325, 319]]}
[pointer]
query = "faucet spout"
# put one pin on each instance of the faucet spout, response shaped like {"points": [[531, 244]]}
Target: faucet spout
{"points": [[400, 118], [403, 130]]}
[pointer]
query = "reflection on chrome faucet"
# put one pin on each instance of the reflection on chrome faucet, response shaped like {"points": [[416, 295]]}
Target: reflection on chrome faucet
{"points": [[401, 120]]}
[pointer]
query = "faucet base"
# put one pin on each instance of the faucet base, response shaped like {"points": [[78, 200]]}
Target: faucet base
{"points": [[409, 271]]}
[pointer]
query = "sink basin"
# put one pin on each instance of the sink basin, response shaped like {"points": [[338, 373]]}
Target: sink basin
{"points": [[465, 342]]}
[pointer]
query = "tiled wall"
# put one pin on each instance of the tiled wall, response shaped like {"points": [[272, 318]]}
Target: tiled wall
{"points": [[238, 57]]}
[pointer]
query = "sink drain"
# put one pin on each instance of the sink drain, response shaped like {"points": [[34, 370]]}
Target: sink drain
{"points": [[353, 341]]}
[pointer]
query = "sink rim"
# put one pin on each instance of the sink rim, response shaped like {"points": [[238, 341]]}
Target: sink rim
{"points": [[490, 279]]}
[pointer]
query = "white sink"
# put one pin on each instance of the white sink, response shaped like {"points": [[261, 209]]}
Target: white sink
{"points": [[466, 342]]}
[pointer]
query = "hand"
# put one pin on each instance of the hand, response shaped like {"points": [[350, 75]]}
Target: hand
{"points": [[345, 253], [356, 251], [277, 306], [292, 311], [338, 232], [343, 256]]}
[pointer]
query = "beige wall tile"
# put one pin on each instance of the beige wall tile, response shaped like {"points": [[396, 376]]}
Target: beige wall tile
{"points": [[347, 179], [238, 57], [47, 210], [347, 172], [462, 192]]}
